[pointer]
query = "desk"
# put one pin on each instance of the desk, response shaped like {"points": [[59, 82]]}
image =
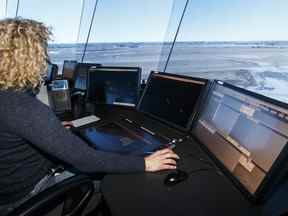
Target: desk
{"points": [[204, 193]]}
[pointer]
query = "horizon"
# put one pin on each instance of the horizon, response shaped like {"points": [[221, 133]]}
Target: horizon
{"points": [[196, 41]]}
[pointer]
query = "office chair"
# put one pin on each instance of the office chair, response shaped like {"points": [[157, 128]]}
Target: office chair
{"points": [[66, 198]]}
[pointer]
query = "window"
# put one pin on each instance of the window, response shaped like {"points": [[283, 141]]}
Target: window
{"points": [[123, 33], [9, 8], [241, 42], [131, 33], [63, 18], [88, 7], [2, 9]]}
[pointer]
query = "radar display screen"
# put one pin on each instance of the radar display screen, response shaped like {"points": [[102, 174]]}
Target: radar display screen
{"points": [[114, 85], [172, 98]]}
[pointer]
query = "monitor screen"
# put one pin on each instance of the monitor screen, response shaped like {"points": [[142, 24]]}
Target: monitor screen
{"points": [[81, 75], [114, 85], [112, 137], [244, 132], [68, 69], [59, 85], [51, 72], [172, 98]]}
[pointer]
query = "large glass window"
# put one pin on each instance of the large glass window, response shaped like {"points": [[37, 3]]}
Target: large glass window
{"points": [[243, 42], [2, 9], [9, 7], [123, 33], [176, 14], [131, 33], [86, 18], [63, 18]]}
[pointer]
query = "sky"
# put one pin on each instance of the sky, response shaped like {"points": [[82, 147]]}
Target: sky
{"points": [[235, 20], [131, 20], [156, 20], [2, 8]]}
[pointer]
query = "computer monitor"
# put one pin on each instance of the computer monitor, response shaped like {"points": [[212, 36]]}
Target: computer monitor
{"points": [[113, 137], [81, 73], [247, 133], [172, 98], [51, 73], [59, 96], [68, 70], [114, 85]]}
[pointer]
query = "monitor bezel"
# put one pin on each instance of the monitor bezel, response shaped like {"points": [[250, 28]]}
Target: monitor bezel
{"points": [[198, 104], [50, 75], [73, 75], [88, 66], [137, 70], [277, 170]]}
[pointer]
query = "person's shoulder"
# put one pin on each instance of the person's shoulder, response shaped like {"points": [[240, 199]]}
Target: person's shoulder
{"points": [[12, 98]]}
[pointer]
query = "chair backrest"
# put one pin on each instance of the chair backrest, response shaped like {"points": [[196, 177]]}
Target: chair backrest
{"points": [[66, 198]]}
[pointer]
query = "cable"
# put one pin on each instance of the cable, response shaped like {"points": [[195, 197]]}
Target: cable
{"points": [[90, 27]]}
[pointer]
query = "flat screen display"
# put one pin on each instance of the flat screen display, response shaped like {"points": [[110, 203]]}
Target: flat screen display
{"points": [[115, 86], [81, 74], [247, 134], [49, 72], [172, 98], [68, 69], [112, 137], [59, 85]]}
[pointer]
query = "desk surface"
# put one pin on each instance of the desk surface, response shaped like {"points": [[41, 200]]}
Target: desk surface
{"points": [[203, 193]]}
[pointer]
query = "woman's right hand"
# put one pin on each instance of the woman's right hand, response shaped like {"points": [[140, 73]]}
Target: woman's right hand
{"points": [[67, 124], [164, 159]]}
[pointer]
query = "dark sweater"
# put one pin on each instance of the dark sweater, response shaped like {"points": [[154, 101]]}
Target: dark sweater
{"points": [[29, 133]]}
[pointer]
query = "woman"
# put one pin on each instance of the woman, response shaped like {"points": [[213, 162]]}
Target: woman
{"points": [[31, 136]]}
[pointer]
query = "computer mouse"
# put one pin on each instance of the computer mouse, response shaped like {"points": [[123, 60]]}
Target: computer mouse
{"points": [[175, 177]]}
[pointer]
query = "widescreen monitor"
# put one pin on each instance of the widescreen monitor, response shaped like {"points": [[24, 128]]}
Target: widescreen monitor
{"points": [[247, 133], [172, 98], [114, 85]]}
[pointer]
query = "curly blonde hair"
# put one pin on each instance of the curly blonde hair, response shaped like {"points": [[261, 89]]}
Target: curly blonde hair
{"points": [[23, 53]]}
